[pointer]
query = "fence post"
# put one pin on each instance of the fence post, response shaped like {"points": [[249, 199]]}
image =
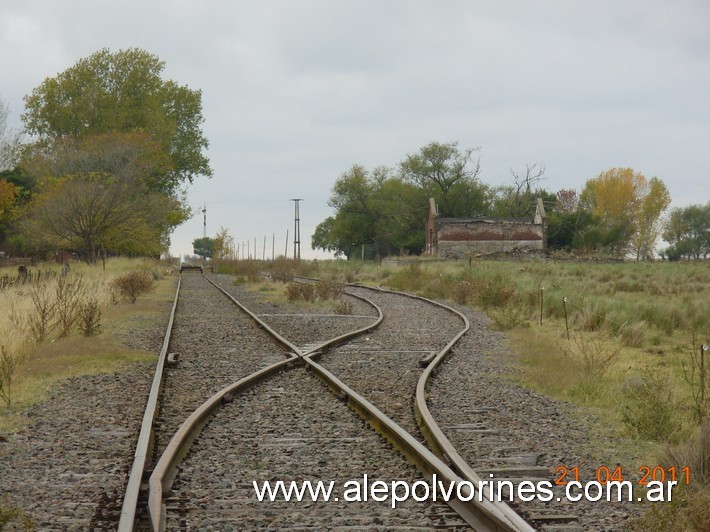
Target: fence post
{"points": [[542, 293], [564, 304], [703, 348]]}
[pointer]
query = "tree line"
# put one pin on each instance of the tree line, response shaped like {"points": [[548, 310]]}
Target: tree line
{"points": [[620, 212], [111, 144]]}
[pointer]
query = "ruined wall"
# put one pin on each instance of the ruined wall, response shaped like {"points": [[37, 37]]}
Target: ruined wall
{"points": [[459, 238]]}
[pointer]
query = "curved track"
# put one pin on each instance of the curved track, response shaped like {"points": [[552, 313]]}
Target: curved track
{"points": [[233, 386]]}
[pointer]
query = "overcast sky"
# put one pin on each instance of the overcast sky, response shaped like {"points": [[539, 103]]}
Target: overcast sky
{"points": [[296, 92]]}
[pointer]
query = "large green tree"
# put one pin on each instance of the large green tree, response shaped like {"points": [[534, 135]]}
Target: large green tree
{"points": [[124, 91], [92, 212], [97, 192], [447, 174], [374, 209], [687, 230]]}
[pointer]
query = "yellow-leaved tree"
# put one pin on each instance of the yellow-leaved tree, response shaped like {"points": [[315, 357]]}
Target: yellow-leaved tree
{"points": [[630, 207]]}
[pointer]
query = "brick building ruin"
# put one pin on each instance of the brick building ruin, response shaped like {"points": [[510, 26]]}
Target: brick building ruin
{"points": [[462, 237]]}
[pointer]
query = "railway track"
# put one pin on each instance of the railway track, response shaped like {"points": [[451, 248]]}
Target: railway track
{"points": [[246, 408], [417, 333]]}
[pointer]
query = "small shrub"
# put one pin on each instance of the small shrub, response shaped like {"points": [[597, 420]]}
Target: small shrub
{"points": [[343, 307], [300, 291], [8, 370], [514, 314], [634, 335], [694, 453], [411, 278], [594, 358], [462, 292], [494, 292], [648, 407], [282, 276], [90, 317], [132, 284], [329, 288], [10, 514], [68, 293], [592, 317], [250, 269], [42, 318]]}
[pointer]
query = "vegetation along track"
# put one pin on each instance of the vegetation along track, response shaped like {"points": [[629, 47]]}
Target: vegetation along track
{"points": [[252, 417]]}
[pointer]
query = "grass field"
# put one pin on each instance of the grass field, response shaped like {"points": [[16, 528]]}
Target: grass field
{"points": [[41, 363]]}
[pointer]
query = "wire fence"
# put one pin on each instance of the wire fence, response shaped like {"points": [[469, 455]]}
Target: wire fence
{"points": [[27, 278]]}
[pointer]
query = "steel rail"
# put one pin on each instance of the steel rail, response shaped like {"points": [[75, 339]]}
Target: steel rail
{"points": [[165, 470], [481, 515], [433, 433], [144, 447]]}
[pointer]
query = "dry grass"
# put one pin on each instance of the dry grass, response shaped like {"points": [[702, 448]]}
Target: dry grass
{"points": [[54, 359]]}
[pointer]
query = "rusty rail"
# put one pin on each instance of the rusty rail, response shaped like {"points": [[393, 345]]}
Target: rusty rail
{"points": [[437, 440], [144, 447]]}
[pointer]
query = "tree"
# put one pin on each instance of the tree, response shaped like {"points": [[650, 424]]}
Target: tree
{"points": [[629, 207], [655, 200], [204, 247], [137, 219], [8, 193], [376, 210], [567, 201], [10, 140], [437, 168], [519, 199], [124, 91], [90, 212], [688, 231], [223, 244]]}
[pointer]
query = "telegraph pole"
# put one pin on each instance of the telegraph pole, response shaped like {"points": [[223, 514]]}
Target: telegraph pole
{"points": [[204, 221], [296, 230]]}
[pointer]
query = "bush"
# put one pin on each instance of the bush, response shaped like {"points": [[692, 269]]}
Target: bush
{"points": [[343, 307], [694, 453], [41, 319], [634, 335], [494, 292], [462, 292], [300, 291], [282, 276], [10, 514], [249, 269], [648, 407], [8, 369], [514, 314], [68, 294], [594, 358], [90, 317], [130, 285], [329, 288]]}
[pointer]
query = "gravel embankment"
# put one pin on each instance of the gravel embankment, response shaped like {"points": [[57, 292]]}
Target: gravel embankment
{"points": [[496, 424], [67, 468]]}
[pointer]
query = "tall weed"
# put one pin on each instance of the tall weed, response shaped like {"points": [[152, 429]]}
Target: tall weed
{"points": [[648, 407]]}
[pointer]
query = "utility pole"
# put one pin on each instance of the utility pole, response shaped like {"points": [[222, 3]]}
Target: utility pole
{"points": [[204, 221], [296, 230]]}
